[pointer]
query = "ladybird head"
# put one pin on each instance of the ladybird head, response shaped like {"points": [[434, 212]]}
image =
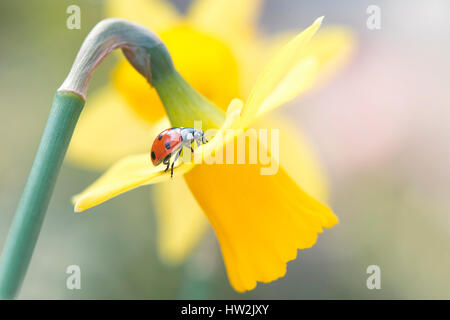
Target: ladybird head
{"points": [[198, 134]]}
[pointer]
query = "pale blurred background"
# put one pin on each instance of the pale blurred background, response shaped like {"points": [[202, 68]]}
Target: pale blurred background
{"points": [[380, 127]]}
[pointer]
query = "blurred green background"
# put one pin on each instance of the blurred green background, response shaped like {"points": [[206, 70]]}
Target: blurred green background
{"points": [[381, 128]]}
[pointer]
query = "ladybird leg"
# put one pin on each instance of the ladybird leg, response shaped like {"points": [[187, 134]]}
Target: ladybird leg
{"points": [[190, 147], [177, 156], [175, 160], [167, 161]]}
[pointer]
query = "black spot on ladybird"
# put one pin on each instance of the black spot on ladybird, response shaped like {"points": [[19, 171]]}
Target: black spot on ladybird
{"points": [[153, 155], [167, 145], [160, 137]]}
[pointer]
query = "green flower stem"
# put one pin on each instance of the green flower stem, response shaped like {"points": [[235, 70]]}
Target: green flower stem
{"points": [[37, 193], [184, 105]]}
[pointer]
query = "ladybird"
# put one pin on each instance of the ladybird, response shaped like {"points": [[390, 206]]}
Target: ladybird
{"points": [[171, 141]]}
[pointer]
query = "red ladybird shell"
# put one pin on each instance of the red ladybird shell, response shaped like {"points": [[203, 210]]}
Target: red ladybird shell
{"points": [[164, 144]]}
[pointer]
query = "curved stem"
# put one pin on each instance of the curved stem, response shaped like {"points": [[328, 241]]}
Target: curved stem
{"points": [[143, 49]]}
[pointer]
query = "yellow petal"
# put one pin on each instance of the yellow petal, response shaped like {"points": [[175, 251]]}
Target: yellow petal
{"points": [[108, 130], [156, 15], [277, 70], [228, 19], [297, 80], [181, 222], [297, 156], [332, 47], [127, 174], [260, 220]]}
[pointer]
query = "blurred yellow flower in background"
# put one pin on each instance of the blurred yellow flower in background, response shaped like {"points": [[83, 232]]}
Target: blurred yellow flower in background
{"points": [[218, 50]]}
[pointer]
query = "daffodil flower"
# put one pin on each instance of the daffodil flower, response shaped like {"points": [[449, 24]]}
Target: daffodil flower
{"points": [[260, 220]]}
